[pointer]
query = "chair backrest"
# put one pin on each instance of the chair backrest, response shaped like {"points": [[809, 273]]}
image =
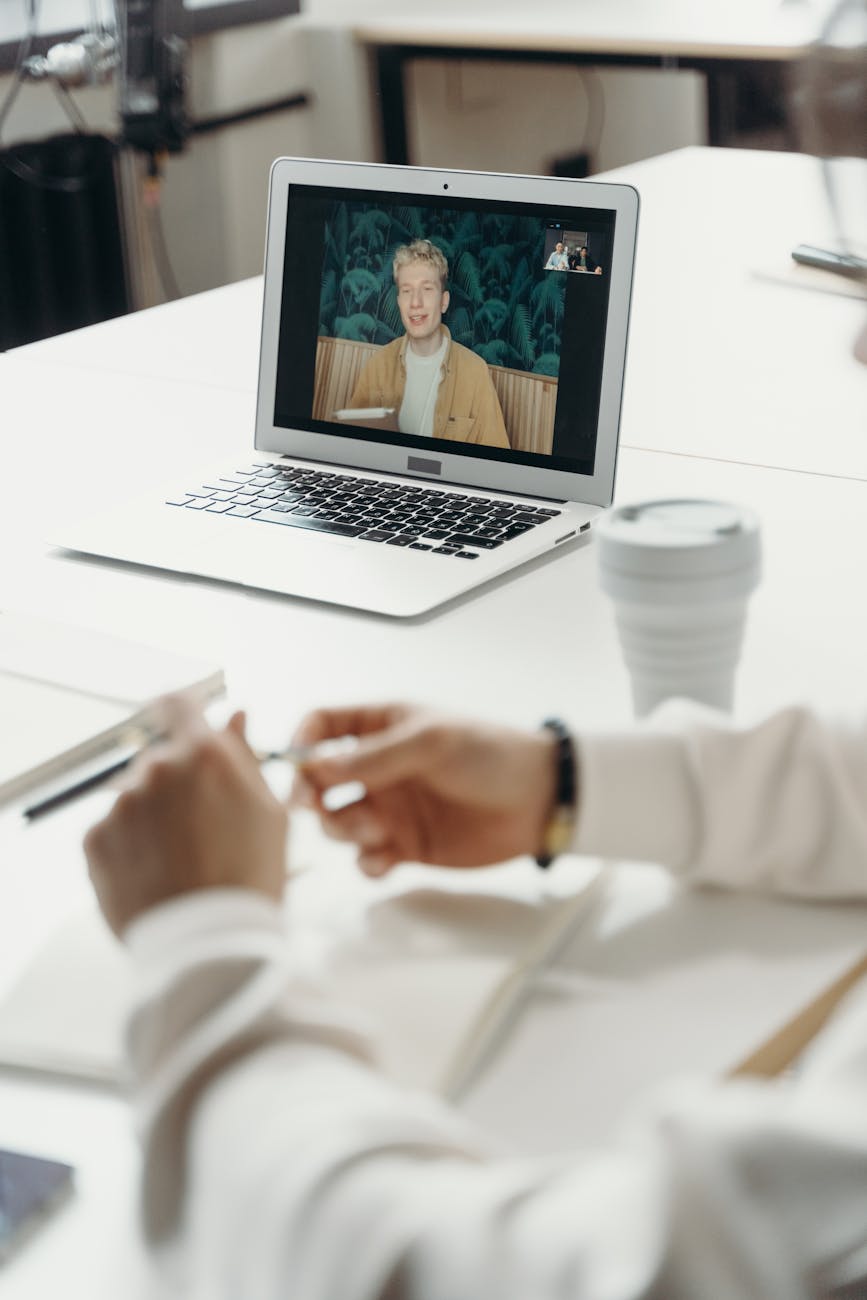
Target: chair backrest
{"points": [[527, 401], [339, 362]]}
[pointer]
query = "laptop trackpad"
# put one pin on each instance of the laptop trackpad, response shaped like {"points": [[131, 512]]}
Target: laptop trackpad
{"points": [[266, 555]]}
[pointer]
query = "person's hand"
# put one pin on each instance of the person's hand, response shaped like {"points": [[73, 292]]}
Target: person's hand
{"points": [[197, 814], [448, 792]]}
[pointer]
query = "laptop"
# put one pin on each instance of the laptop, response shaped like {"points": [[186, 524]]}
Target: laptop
{"points": [[438, 397]]}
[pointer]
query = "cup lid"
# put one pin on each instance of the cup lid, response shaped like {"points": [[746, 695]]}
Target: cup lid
{"points": [[679, 538]]}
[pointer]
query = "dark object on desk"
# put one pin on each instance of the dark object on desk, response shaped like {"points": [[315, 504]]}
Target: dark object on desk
{"points": [[61, 255], [106, 771], [80, 787], [854, 268], [573, 164], [30, 1189]]}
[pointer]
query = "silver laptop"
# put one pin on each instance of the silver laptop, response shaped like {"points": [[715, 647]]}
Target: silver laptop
{"points": [[439, 393]]}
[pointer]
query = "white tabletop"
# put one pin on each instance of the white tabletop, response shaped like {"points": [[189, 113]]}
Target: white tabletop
{"points": [[759, 29], [729, 357], [711, 363]]}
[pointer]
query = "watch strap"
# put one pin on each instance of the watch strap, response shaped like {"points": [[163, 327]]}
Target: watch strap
{"points": [[561, 824]]}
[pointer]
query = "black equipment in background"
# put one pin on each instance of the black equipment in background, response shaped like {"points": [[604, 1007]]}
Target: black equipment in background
{"points": [[61, 247], [151, 77]]}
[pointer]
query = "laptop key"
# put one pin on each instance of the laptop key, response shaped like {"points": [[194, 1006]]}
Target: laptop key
{"points": [[241, 512], [218, 507], [398, 540], [482, 543], [179, 500], [375, 535], [198, 503], [310, 522], [419, 546], [466, 555], [444, 550]]}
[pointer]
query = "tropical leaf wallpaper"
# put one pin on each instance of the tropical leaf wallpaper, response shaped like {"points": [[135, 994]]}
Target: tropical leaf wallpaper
{"points": [[503, 304]]}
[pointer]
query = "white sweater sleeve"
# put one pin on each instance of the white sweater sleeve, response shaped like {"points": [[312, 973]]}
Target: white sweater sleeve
{"points": [[282, 1164], [278, 1163], [781, 806]]}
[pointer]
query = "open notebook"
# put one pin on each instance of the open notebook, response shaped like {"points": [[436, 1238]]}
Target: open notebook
{"points": [[460, 974], [427, 958]]}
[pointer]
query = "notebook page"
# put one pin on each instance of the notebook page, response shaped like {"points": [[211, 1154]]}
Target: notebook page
{"points": [[39, 720]]}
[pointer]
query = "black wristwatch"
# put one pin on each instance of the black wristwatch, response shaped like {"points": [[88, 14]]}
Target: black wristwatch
{"points": [[561, 824]]}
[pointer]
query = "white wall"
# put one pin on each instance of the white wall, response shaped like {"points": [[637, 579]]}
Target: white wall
{"points": [[520, 117]]}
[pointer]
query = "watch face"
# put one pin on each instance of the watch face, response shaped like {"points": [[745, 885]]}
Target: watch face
{"points": [[558, 834]]}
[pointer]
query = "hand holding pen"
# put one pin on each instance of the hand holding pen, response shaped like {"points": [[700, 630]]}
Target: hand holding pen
{"points": [[196, 814]]}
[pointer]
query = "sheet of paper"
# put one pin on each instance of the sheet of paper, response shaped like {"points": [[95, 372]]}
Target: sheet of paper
{"points": [[661, 982]]}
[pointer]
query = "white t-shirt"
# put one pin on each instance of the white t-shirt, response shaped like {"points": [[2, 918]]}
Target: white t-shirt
{"points": [[423, 376]]}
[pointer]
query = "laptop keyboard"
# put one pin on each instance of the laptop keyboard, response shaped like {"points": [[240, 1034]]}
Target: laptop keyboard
{"points": [[384, 512]]}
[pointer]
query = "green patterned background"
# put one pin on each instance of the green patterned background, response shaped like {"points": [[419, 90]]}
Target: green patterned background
{"points": [[503, 304]]}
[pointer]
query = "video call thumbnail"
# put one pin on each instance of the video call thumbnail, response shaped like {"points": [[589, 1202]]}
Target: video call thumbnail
{"points": [[573, 250]]}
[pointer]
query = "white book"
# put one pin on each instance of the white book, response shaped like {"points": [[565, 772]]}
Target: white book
{"points": [[364, 412], [69, 696]]}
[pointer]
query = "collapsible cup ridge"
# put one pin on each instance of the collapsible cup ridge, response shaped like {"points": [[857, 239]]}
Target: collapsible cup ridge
{"points": [[680, 574]]}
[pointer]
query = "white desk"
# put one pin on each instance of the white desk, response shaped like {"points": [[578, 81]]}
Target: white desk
{"points": [[761, 29], [108, 405], [713, 38]]}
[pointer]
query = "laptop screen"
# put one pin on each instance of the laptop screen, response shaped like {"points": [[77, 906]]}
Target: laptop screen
{"points": [[412, 320]]}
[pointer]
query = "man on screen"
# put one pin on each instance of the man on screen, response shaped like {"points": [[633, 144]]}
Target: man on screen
{"points": [[439, 388], [582, 261], [558, 259]]}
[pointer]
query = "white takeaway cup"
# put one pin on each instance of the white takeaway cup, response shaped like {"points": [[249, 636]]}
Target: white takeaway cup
{"points": [[680, 574]]}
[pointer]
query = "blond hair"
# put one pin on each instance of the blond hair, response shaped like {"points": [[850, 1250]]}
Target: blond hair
{"points": [[421, 250]]}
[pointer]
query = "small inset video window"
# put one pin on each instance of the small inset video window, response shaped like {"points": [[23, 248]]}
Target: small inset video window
{"points": [[573, 250]]}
